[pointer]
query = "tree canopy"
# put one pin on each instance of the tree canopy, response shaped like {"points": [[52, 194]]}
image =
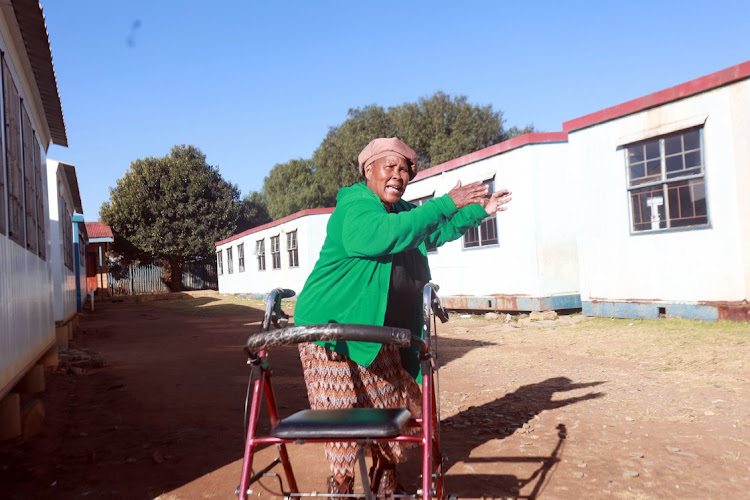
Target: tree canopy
{"points": [[291, 187], [439, 128], [253, 212], [172, 208]]}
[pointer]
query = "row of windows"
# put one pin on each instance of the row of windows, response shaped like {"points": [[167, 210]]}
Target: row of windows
{"points": [[260, 253], [21, 173]]}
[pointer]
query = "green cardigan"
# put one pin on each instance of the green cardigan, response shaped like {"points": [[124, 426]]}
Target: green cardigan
{"points": [[349, 283]]}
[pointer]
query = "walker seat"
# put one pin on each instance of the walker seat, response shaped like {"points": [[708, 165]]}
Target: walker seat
{"points": [[353, 423]]}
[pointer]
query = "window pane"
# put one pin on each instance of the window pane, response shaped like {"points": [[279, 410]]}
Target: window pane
{"points": [[637, 173], [674, 163], [687, 203], [635, 154], [489, 231], [693, 159], [471, 238], [648, 209], [673, 145], [692, 140], [652, 150], [653, 169]]}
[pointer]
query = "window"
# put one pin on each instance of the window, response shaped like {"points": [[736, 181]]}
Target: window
{"points": [[21, 176], [486, 233], [41, 217], [666, 182], [12, 120], [421, 201], [220, 262], [275, 253], [81, 249], [230, 264], [29, 182], [241, 258], [260, 250], [291, 248], [67, 234]]}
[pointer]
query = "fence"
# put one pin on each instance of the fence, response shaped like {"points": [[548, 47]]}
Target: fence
{"points": [[150, 278]]}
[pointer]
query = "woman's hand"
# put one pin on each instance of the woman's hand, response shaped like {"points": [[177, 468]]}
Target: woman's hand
{"points": [[494, 202], [466, 195]]}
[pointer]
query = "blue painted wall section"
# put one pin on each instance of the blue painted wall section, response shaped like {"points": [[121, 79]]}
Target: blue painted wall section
{"points": [[77, 220], [636, 310]]}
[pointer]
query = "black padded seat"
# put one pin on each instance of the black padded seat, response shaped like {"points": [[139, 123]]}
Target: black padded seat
{"points": [[353, 423]]}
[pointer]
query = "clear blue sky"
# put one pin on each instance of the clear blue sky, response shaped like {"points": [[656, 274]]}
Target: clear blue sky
{"points": [[253, 84]]}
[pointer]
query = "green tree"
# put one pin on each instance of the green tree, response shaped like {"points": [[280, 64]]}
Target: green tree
{"points": [[290, 187], [253, 212], [439, 128], [172, 208], [335, 159]]}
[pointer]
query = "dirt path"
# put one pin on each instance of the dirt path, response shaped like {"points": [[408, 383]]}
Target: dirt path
{"points": [[572, 408]]}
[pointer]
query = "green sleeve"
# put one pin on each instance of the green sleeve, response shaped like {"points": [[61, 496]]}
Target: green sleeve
{"points": [[466, 218], [369, 231]]}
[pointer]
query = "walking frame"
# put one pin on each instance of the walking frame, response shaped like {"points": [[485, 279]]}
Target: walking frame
{"points": [[365, 426]]}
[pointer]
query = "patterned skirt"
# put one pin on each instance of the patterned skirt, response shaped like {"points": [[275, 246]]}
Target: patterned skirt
{"points": [[336, 382]]}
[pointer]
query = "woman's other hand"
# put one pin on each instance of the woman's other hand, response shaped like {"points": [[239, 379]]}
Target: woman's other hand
{"points": [[494, 202], [466, 195]]}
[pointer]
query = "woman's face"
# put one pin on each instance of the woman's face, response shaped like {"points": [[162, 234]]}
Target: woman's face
{"points": [[387, 177]]}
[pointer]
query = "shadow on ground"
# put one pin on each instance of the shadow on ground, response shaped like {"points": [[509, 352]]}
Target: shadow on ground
{"points": [[464, 432]]}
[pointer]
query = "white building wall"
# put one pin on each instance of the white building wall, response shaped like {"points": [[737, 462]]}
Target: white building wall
{"points": [[311, 231], [63, 278], [27, 328], [537, 254], [679, 266]]}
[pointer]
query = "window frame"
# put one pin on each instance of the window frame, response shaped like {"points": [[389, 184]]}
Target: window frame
{"points": [[665, 180], [13, 158], [241, 258], [220, 261], [67, 234], [292, 251], [230, 263], [488, 222], [29, 181], [260, 252], [275, 252]]}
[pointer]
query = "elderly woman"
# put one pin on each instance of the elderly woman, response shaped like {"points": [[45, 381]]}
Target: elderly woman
{"points": [[371, 270]]}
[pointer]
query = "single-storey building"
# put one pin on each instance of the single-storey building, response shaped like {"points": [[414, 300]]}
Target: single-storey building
{"points": [[278, 254], [664, 211], [68, 240], [637, 210], [100, 238], [32, 117]]}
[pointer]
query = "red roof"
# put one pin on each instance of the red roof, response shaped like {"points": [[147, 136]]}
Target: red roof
{"points": [[703, 84], [98, 230], [301, 213]]}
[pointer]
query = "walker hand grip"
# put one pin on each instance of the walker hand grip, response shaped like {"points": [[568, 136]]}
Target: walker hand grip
{"points": [[399, 337]]}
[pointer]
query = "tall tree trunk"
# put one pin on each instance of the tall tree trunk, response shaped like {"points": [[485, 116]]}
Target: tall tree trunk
{"points": [[175, 267]]}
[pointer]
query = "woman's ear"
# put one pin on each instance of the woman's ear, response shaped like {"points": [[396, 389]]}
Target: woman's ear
{"points": [[368, 172]]}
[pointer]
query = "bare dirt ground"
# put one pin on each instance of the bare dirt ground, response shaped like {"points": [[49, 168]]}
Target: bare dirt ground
{"points": [[565, 409]]}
